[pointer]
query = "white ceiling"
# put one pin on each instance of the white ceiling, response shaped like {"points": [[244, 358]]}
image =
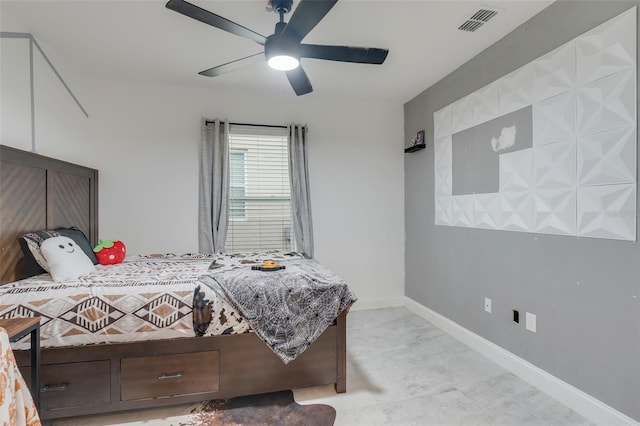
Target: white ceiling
{"points": [[144, 41]]}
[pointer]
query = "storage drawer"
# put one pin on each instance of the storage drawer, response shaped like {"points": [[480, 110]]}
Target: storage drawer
{"points": [[168, 375], [73, 385]]}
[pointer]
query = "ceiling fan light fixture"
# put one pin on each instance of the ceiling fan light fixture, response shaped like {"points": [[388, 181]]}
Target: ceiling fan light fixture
{"points": [[283, 62], [282, 52]]}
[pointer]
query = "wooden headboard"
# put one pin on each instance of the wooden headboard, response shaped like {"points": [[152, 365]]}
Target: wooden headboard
{"points": [[38, 193]]}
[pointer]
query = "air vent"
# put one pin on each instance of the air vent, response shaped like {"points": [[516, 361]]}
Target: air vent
{"points": [[470, 25], [478, 19]]}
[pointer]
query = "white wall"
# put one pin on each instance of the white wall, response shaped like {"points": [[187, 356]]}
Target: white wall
{"points": [[15, 93], [58, 122], [144, 141]]}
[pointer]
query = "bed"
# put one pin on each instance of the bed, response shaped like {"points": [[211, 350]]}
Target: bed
{"points": [[118, 372]]}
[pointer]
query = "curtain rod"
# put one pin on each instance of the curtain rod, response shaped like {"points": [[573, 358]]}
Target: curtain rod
{"points": [[253, 125]]}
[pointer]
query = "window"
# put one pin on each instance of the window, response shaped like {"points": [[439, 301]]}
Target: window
{"points": [[259, 190], [237, 181]]}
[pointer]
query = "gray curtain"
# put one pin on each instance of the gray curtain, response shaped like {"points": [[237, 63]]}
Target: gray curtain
{"points": [[300, 197], [213, 214]]}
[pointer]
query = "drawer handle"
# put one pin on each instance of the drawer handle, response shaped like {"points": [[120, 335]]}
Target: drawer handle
{"points": [[170, 376], [54, 388]]}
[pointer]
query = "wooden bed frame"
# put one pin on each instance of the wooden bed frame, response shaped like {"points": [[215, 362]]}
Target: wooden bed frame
{"points": [[38, 193]]}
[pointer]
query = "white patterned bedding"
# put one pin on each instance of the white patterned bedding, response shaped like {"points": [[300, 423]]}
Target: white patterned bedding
{"points": [[144, 298]]}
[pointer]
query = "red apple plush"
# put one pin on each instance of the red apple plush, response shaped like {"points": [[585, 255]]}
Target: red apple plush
{"points": [[109, 252]]}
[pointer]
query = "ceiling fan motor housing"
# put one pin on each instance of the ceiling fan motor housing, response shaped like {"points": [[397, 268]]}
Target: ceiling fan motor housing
{"points": [[281, 44]]}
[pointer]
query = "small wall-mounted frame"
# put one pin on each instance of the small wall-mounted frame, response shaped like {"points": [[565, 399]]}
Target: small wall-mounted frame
{"points": [[417, 142]]}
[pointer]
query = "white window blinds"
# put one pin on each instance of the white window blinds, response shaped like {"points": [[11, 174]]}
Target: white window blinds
{"points": [[259, 190]]}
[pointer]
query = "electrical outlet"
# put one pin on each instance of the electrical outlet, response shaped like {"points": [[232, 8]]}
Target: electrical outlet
{"points": [[487, 304], [531, 322]]}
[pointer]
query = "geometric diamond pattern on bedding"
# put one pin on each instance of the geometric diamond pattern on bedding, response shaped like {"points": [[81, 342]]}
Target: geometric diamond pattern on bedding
{"points": [[92, 314], [163, 311], [127, 302], [22, 311]]}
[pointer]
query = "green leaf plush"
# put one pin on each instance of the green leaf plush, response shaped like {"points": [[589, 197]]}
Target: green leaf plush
{"points": [[67, 261]]}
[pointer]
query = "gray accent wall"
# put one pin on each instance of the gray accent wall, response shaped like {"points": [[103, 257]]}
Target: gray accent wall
{"points": [[585, 292], [476, 165]]}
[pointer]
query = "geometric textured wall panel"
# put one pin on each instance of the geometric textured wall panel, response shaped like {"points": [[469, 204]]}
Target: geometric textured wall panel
{"points": [[444, 210], [463, 113], [607, 103], [554, 119], [463, 210], [555, 165], [442, 121], [443, 152], [607, 158], [555, 72], [487, 211], [516, 171], [444, 180], [578, 175], [607, 211], [607, 49], [487, 103], [516, 90], [517, 211], [555, 211]]}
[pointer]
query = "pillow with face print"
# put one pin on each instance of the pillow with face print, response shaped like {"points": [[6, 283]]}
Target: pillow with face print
{"points": [[66, 259]]}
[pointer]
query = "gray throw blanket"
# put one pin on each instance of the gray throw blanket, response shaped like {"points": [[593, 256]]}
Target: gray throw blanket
{"points": [[288, 309]]}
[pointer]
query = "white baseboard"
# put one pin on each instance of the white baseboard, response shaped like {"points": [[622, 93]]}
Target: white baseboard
{"points": [[364, 305], [582, 403]]}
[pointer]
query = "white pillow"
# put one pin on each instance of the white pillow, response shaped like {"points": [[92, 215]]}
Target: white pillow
{"points": [[66, 260]]}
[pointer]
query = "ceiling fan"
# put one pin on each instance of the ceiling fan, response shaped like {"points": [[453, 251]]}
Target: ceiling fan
{"points": [[284, 48]]}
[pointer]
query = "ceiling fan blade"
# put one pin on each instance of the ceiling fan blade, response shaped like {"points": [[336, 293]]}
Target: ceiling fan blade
{"points": [[233, 65], [299, 81], [306, 17], [202, 15], [360, 55]]}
